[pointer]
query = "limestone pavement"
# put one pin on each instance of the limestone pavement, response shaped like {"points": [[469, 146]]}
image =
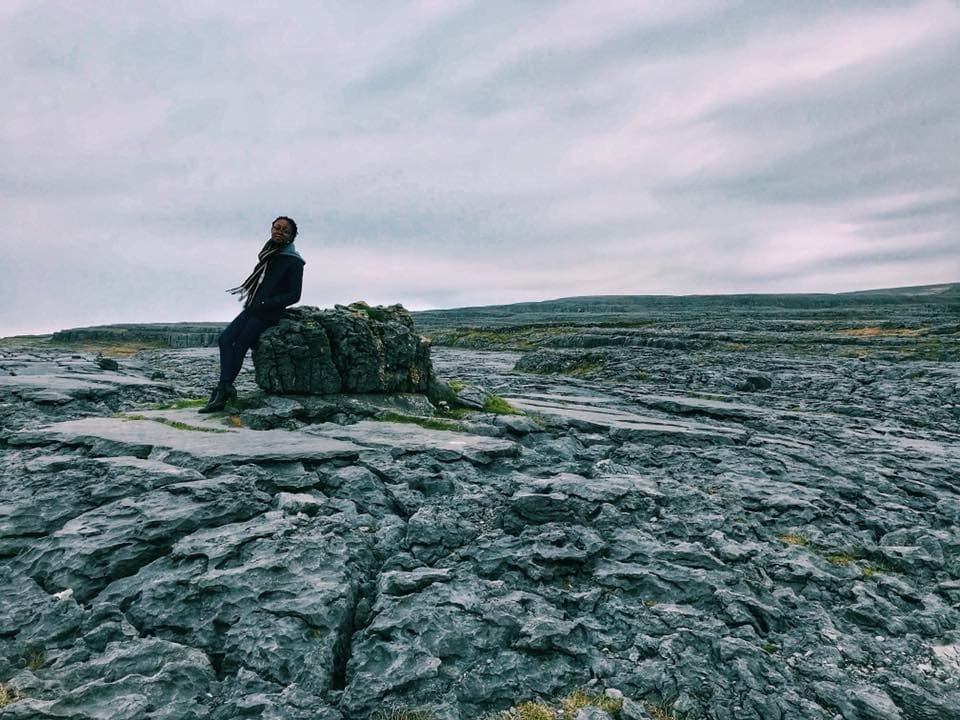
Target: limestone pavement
{"points": [[784, 552]]}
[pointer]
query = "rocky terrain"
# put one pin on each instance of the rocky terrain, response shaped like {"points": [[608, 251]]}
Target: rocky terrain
{"points": [[707, 520]]}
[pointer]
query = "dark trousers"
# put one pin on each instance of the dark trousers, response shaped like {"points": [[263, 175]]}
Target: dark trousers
{"points": [[239, 336]]}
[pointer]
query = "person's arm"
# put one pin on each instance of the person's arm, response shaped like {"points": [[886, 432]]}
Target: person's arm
{"points": [[291, 284]]}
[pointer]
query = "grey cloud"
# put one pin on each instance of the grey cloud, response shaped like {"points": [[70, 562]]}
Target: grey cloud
{"points": [[866, 263], [479, 141], [429, 55], [876, 130]]}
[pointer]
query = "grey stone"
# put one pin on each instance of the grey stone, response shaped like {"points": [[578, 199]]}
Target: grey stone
{"points": [[105, 363], [116, 539], [591, 712], [396, 582], [443, 444], [518, 424], [472, 396], [352, 349], [624, 425], [631, 710], [752, 383], [198, 442]]}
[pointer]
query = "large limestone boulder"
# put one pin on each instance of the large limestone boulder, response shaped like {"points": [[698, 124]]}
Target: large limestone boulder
{"points": [[349, 349]]}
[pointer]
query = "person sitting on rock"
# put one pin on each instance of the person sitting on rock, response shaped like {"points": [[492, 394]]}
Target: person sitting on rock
{"points": [[275, 283]]}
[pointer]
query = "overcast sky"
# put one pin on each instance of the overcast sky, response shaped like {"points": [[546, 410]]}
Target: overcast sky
{"points": [[443, 154]]}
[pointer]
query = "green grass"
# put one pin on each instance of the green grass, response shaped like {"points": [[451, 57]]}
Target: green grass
{"points": [[527, 710], [119, 348], [660, 711], [840, 558], [496, 404], [429, 423], [493, 403], [769, 648], [7, 695], [585, 367], [456, 413], [873, 569], [377, 313], [567, 710], [179, 404], [581, 698], [403, 714], [35, 660], [171, 423]]}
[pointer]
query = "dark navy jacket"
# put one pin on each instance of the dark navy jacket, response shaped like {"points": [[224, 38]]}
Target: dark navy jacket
{"points": [[281, 286]]}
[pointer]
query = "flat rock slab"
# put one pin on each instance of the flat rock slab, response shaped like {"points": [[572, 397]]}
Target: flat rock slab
{"points": [[442, 444], [80, 385], [198, 443], [686, 405], [587, 412]]}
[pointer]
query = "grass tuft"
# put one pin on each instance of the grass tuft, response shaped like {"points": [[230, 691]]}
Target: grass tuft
{"points": [[527, 710], [839, 558], [792, 539], [874, 331], [403, 714], [660, 711], [581, 698], [456, 413], [430, 423], [496, 404], [872, 569], [8, 695], [179, 404], [585, 367], [534, 711], [376, 313], [171, 423], [35, 661]]}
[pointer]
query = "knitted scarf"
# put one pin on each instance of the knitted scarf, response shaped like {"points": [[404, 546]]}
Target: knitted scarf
{"points": [[248, 288]]}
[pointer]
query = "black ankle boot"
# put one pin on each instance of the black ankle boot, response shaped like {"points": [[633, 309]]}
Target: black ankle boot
{"points": [[221, 395]]}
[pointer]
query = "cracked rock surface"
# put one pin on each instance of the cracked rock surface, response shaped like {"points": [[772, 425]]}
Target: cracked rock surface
{"points": [[725, 536], [350, 348]]}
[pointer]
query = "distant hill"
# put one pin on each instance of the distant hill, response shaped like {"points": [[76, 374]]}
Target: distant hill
{"points": [[603, 309], [948, 291], [611, 307]]}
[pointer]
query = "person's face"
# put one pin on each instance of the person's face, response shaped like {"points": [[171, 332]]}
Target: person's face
{"points": [[281, 232]]}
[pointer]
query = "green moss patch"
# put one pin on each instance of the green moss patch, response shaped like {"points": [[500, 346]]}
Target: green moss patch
{"points": [[179, 404], [171, 423], [496, 404], [792, 539], [429, 423]]}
